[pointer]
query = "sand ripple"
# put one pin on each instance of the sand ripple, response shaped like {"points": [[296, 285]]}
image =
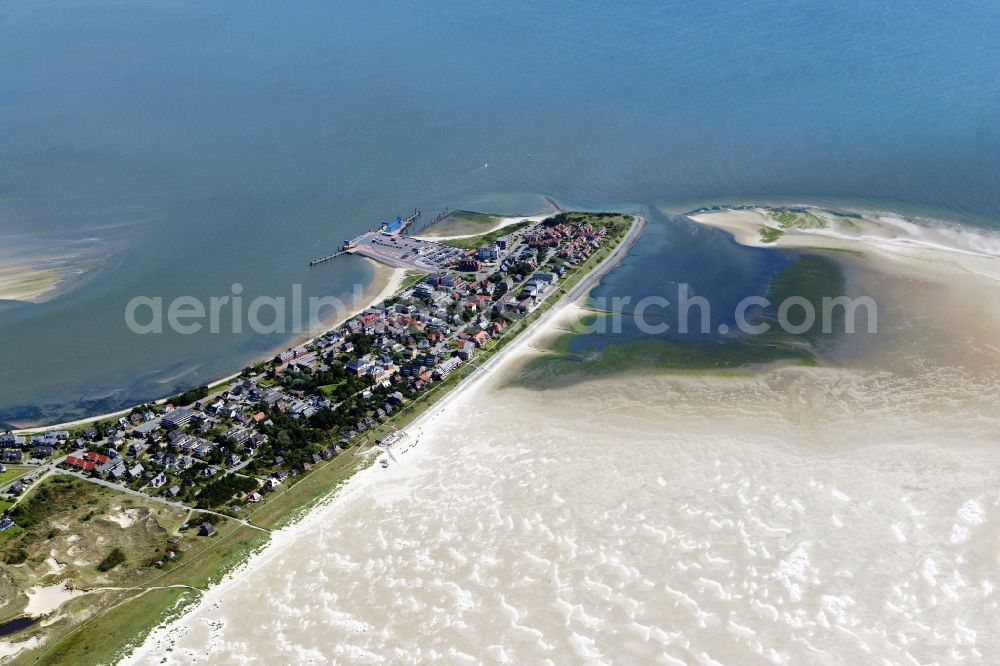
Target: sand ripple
{"points": [[652, 520]]}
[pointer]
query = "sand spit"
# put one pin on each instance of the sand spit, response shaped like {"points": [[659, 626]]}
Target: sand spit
{"points": [[20, 283], [884, 235], [800, 515], [500, 224]]}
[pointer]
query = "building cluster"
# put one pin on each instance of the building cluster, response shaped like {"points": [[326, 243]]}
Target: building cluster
{"points": [[281, 420], [404, 345]]}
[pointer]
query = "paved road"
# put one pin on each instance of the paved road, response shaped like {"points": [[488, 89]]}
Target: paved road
{"points": [[38, 474]]}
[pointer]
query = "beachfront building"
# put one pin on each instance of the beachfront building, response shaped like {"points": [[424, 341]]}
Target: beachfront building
{"points": [[446, 368], [177, 418], [465, 349]]}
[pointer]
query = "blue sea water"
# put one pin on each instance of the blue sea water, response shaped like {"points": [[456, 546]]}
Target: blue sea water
{"points": [[213, 143]]}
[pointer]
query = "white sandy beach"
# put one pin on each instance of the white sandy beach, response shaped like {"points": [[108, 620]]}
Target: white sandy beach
{"points": [[45, 599], [802, 515], [887, 236], [501, 223], [386, 281]]}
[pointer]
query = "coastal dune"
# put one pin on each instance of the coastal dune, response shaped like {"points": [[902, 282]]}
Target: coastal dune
{"points": [[887, 236], [820, 515]]}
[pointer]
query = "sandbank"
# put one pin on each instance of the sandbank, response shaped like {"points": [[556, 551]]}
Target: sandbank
{"points": [[35, 270], [659, 517], [386, 282]]}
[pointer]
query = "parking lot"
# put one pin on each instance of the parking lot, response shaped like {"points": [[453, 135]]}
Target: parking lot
{"points": [[407, 252]]}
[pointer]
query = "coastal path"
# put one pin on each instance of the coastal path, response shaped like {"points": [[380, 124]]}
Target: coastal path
{"points": [[159, 500]]}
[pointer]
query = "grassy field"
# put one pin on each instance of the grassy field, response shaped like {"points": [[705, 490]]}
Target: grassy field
{"points": [[14, 472], [484, 239], [65, 528], [411, 279], [462, 223], [330, 390]]}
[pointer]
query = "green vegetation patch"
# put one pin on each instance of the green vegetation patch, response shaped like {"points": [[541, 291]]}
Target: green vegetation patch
{"points": [[190, 396], [70, 530], [411, 279], [14, 472], [59, 495], [770, 235], [798, 218], [810, 277], [222, 490], [461, 222], [484, 239], [813, 278], [652, 355], [847, 223]]}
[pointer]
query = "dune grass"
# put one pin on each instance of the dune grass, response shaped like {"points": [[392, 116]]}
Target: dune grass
{"points": [[483, 240]]}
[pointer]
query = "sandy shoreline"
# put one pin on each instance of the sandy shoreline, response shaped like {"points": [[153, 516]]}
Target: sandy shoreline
{"points": [[888, 237], [519, 548], [364, 480], [503, 222], [492, 372], [386, 282]]}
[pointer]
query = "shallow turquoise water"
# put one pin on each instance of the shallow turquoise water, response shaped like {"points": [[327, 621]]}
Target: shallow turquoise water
{"points": [[231, 142]]}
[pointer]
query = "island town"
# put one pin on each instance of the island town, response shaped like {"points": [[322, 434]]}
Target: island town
{"points": [[235, 455]]}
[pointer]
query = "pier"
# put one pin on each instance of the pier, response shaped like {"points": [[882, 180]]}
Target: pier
{"points": [[327, 257], [407, 221], [396, 229]]}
